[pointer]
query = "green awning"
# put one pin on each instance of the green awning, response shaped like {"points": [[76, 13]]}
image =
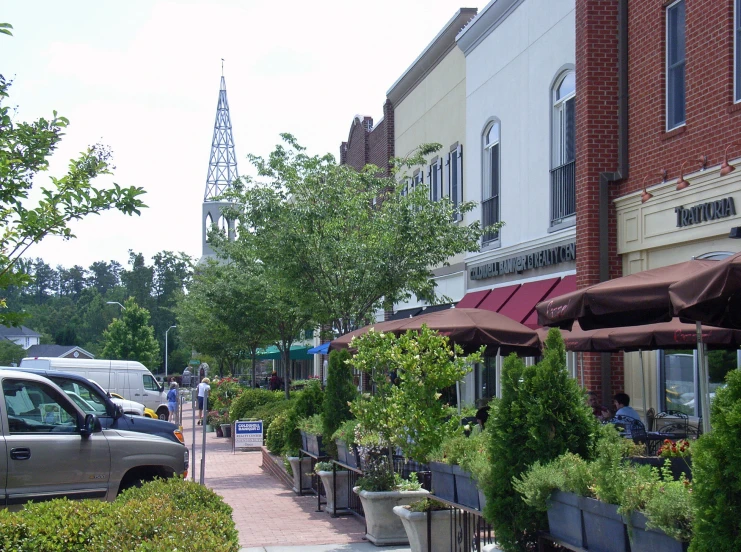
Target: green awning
{"points": [[298, 352]]}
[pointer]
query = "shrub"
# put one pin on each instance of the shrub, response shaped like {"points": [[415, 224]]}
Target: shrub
{"points": [[346, 432], [338, 395], [249, 400], [268, 412], [306, 403], [541, 415], [158, 517], [716, 478], [223, 393], [274, 434]]}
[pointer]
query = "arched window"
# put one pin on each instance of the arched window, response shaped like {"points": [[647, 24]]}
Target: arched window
{"points": [[224, 225], [563, 150], [491, 185]]}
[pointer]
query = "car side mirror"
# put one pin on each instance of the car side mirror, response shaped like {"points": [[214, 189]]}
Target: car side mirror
{"points": [[117, 411], [91, 425]]}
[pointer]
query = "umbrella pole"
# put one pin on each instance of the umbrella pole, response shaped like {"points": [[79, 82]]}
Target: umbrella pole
{"points": [[581, 368], [704, 391], [643, 385], [458, 396]]}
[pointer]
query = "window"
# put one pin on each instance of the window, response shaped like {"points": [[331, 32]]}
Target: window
{"points": [[150, 384], [675, 65], [563, 151], [417, 179], [491, 185], [455, 179], [737, 49], [435, 178], [33, 407]]}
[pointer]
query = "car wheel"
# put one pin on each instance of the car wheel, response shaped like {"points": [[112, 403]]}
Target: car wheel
{"points": [[163, 414]]}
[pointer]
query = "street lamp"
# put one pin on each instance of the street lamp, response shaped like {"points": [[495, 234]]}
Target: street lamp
{"points": [[168, 329], [115, 303]]}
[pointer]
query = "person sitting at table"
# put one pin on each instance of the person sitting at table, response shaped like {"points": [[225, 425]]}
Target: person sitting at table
{"points": [[599, 410], [622, 406]]}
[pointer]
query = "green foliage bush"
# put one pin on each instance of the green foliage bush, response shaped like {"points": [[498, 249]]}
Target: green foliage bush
{"points": [[541, 415], [716, 477], [223, 393], [269, 412], [161, 516], [274, 440], [243, 407], [338, 395], [306, 403]]}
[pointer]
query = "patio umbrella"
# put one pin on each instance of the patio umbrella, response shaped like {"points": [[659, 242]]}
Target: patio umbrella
{"points": [[469, 328], [641, 298], [711, 296]]}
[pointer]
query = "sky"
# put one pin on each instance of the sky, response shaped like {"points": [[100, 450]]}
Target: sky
{"points": [[142, 76]]}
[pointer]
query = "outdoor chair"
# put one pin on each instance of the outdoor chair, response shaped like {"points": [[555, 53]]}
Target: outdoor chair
{"points": [[674, 422], [650, 419], [630, 428]]}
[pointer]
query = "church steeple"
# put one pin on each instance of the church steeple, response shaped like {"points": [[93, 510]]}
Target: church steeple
{"points": [[222, 170]]}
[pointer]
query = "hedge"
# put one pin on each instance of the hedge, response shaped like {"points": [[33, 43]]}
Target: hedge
{"points": [[162, 516]]}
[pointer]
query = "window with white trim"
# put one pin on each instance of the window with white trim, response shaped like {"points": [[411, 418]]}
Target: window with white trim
{"points": [[563, 150], [435, 178], [737, 50], [454, 189], [491, 184], [675, 65]]}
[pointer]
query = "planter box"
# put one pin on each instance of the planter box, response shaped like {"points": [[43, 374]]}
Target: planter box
{"points": [[678, 465], [341, 451], [301, 481], [565, 518], [443, 481], [465, 489], [340, 493], [652, 540], [415, 525], [304, 443], [382, 525], [314, 445], [226, 430], [353, 458], [604, 530], [209, 428]]}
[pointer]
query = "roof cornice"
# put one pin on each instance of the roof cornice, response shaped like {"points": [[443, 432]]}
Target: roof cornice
{"points": [[430, 57], [493, 14]]}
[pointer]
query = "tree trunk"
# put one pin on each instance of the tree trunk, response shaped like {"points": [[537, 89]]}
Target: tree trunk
{"points": [[254, 368], [286, 369]]}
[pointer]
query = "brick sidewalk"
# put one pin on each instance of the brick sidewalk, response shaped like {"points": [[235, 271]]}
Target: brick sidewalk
{"points": [[266, 512]]}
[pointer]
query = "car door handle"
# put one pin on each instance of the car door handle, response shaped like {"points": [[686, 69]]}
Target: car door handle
{"points": [[20, 453], [136, 394]]}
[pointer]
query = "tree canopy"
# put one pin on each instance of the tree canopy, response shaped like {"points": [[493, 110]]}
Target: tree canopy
{"points": [[131, 337]]}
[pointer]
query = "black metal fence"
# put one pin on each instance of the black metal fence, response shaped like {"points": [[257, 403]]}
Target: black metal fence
{"points": [[563, 192]]}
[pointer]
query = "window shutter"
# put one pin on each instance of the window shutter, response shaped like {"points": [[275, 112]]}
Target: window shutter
{"points": [[439, 169], [459, 180]]}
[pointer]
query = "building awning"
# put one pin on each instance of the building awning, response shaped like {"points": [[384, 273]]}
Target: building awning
{"points": [[298, 352], [566, 285], [523, 302], [404, 313], [472, 299], [322, 349], [498, 297]]}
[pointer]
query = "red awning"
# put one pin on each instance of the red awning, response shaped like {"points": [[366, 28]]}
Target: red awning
{"points": [[566, 285], [523, 302], [498, 298], [473, 299]]}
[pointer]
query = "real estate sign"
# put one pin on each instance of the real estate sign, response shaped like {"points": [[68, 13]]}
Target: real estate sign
{"points": [[248, 433]]}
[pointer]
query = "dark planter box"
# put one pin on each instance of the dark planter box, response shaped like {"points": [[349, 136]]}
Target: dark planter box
{"points": [[353, 458], [465, 489], [652, 540], [679, 466], [565, 519], [443, 481], [314, 445], [304, 441], [604, 530], [482, 500], [341, 451]]}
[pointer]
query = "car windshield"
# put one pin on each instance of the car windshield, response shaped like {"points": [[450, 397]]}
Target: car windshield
{"points": [[93, 398], [82, 403]]}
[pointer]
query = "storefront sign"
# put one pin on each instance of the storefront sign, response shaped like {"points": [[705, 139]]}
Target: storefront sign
{"points": [[247, 434], [528, 261], [704, 212]]}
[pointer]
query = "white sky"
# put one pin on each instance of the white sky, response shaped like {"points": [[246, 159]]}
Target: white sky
{"points": [[143, 77]]}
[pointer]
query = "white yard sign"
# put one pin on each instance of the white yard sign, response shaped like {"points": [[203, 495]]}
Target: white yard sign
{"points": [[247, 434]]}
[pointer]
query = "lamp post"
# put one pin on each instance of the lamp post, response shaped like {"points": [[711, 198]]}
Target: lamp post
{"points": [[168, 329], [115, 303]]}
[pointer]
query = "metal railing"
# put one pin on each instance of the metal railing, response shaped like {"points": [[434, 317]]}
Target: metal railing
{"points": [[563, 192], [469, 531], [489, 216]]}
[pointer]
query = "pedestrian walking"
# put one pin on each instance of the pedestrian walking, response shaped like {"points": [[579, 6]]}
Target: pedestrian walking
{"points": [[172, 401], [202, 388]]}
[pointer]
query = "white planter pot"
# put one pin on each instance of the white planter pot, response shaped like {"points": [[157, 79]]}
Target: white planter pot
{"points": [[342, 489], [382, 525], [415, 525], [302, 471]]}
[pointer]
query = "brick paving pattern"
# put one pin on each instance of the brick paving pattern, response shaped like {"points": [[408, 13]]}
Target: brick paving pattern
{"points": [[266, 512]]}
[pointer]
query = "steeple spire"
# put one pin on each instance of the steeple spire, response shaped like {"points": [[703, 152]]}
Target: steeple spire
{"points": [[222, 167]]}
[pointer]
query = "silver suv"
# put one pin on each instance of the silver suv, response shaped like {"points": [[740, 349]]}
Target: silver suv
{"points": [[50, 448]]}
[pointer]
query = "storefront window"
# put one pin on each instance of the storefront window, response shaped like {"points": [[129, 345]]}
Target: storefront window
{"points": [[486, 378], [678, 377]]}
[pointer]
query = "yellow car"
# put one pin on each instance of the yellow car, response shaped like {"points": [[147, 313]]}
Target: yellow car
{"points": [[148, 412]]}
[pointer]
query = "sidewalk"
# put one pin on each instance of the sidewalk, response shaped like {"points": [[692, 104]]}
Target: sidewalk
{"points": [[267, 514]]}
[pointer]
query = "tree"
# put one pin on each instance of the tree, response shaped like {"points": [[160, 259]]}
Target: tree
{"points": [[25, 149], [139, 280], [11, 353], [131, 337], [348, 242]]}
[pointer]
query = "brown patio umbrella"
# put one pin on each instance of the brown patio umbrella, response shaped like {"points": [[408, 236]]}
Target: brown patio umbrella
{"points": [[711, 296], [343, 342], [469, 328], [641, 298]]}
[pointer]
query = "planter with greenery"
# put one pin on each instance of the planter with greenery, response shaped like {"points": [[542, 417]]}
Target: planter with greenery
{"points": [[338, 394], [679, 455], [344, 438], [542, 414], [301, 468], [337, 494], [414, 519], [305, 404], [312, 426]]}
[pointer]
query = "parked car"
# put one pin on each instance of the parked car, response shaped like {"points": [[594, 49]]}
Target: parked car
{"points": [[51, 448], [110, 415], [136, 408]]}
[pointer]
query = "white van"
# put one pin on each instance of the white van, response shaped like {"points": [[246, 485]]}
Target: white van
{"points": [[129, 378]]}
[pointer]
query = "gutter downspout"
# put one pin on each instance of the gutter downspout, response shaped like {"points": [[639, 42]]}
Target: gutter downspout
{"points": [[607, 178]]}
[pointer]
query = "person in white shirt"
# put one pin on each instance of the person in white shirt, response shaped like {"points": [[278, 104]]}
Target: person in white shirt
{"points": [[202, 387], [622, 406]]}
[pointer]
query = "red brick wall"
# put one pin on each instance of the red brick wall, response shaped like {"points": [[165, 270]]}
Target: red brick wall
{"points": [[375, 146]]}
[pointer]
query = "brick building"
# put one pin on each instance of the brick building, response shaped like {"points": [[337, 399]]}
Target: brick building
{"points": [[369, 144], [658, 105]]}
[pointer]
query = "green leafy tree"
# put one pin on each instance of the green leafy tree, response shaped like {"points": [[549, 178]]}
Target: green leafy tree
{"points": [[542, 414], [11, 353], [349, 242], [25, 149], [139, 280], [131, 337]]}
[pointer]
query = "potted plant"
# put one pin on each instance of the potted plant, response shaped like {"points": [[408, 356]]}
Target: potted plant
{"points": [[345, 441], [300, 466], [679, 455], [312, 426], [335, 483], [414, 519], [380, 490]]}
